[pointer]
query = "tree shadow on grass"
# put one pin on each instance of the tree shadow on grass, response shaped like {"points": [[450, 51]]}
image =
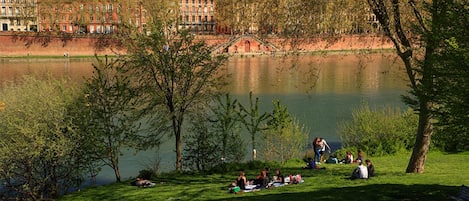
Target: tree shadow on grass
{"points": [[378, 192]]}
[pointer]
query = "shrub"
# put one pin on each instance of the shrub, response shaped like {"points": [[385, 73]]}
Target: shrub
{"points": [[379, 131], [284, 137]]}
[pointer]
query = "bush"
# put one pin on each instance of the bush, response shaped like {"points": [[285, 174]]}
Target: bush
{"points": [[379, 132], [284, 137]]}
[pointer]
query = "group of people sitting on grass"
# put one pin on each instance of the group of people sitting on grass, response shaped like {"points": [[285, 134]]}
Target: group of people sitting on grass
{"points": [[365, 168], [262, 181]]}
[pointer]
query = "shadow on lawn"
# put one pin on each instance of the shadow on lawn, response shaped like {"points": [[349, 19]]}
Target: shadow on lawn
{"points": [[378, 192]]}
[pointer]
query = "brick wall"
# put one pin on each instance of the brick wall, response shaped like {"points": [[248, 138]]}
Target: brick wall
{"points": [[14, 45]]}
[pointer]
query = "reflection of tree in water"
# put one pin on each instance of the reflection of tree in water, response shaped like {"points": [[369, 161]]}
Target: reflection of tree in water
{"points": [[304, 71]]}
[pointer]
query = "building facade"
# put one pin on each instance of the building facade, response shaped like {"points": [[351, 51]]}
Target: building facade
{"points": [[18, 15], [89, 17], [197, 16]]}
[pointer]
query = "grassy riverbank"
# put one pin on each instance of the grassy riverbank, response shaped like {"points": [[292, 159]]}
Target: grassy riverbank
{"points": [[443, 176]]}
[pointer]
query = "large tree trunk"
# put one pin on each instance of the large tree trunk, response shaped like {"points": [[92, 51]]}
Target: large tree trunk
{"points": [[422, 141]]}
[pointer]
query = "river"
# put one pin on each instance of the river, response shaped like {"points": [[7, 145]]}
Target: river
{"points": [[319, 90]]}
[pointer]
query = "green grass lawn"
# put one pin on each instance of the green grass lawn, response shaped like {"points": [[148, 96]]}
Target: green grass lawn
{"points": [[444, 174]]}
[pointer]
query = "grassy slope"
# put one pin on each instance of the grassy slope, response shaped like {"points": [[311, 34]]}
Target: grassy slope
{"points": [[444, 173]]}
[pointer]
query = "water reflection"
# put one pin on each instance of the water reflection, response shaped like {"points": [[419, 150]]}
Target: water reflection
{"points": [[314, 74]]}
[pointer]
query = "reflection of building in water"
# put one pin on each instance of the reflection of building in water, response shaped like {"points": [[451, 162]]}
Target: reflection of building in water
{"points": [[335, 74]]}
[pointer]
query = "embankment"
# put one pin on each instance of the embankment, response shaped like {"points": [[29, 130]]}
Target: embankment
{"points": [[19, 45]]}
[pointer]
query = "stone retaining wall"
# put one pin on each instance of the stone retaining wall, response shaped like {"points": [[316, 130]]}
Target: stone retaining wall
{"points": [[13, 45]]}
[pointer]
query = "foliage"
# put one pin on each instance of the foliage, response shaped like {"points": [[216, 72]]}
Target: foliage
{"points": [[38, 141], [409, 25], [452, 84], [202, 149], [215, 137], [284, 138], [294, 18], [176, 74], [110, 106], [252, 120], [379, 131], [226, 124]]}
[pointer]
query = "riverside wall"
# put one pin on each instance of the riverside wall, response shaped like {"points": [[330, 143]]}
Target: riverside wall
{"points": [[17, 45]]}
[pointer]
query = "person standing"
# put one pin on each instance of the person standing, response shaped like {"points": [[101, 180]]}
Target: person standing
{"points": [[320, 148], [317, 149]]}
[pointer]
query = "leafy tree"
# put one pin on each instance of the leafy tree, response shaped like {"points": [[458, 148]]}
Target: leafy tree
{"points": [[379, 131], [202, 150], [111, 110], [452, 87], [252, 120], [215, 136], [226, 125], [389, 14], [38, 142], [176, 72], [284, 138], [425, 29]]}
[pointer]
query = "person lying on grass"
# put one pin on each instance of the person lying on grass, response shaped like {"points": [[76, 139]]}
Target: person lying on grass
{"points": [[143, 183]]}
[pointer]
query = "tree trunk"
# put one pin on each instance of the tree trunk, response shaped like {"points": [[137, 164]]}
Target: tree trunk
{"points": [[115, 166], [178, 151], [422, 141]]}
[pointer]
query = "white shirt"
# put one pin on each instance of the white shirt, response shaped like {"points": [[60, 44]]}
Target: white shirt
{"points": [[363, 171]]}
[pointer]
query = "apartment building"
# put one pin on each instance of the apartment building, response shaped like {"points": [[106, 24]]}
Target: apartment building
{"points": [[18, 15], [89, 17], [198, 16]]}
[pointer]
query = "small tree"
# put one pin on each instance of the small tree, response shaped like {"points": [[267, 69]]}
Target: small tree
{"points": [[215, 136], [111, 111], [202, 150], [176, 72], [252, 120], [226, 125], [284, 138]]}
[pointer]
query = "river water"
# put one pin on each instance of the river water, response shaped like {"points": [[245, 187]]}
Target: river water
{"points": [[319, 90]]}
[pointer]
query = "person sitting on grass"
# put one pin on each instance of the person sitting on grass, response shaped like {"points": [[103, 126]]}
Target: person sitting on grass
{"points": [[278, 178], [311, 164], [262, 181], [239, 185], [370, 167], [361, 172], [241, 181], [348, 158], [360, 156]]}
